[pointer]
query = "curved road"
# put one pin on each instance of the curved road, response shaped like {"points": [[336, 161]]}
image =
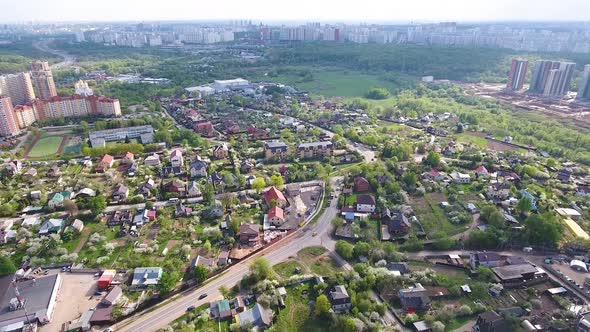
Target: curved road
{"points": [[43, 45], [175, 307]]}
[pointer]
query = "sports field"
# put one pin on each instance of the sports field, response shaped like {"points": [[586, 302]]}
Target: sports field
{"points": [[45, 146]]}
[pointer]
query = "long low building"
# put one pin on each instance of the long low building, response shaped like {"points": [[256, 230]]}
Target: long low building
{"points": [[518, 273], [37, 296], [144, 133]]}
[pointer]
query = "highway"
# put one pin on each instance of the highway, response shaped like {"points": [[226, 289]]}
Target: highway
{"points": [[68, 59]]}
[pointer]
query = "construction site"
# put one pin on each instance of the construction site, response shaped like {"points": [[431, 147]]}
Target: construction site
{"points": [[568, 109]]}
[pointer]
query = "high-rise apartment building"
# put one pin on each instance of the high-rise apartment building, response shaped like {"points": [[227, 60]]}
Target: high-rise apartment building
{"points": [[18, 87], [540, 75], [77, 106], [552, 78], [43, 80], [559, 80], [8, 125], [517, 74], [584, 90]]}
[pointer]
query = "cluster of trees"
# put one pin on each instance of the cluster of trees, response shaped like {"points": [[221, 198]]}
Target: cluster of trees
{"points": [[377, 93], [115, 149], [540, 229]]}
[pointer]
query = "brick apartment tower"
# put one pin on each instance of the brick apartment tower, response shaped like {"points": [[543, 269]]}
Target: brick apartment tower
{"points": [[43, 80], [517, 74], [8, 124]]}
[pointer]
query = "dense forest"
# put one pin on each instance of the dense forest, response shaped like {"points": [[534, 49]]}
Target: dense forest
{"points": [[469, 64]]}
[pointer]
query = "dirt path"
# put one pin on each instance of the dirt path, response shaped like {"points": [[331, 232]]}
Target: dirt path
{"points": [[30, 147], [62, 146], [84, 238]]}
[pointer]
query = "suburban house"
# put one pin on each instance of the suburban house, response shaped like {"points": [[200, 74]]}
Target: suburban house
{"points": [[205, 129], [176, 159], [146, 187], [528, 195], [434, 175], [119, 217], [276, 216], [275, 149], [144, 277], [257, 316], [193, 189], [414, 298], [53, 225], [365, 203], [339, 299], [120, 193], [171, 171], [30, 173], [460, 177], [564, 175], [276, 196], [482, 171], [57, 199], [220, 309], [498, 191], [209, 263], [397, 223], [128, 158], [152, 160], [105, 163], [249, 234], [246, 166], [14, 167], [175, 186], [77, 225], [223, 258], [198, 168], [221, 151], [315, 150], [583, 190], [54, 172], [490, 321], [487, 259], [361, 184]]}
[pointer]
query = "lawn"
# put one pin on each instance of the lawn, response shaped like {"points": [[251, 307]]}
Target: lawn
{"points": [[480, 142], [331, 82], [318, 263], [46, 146], [432, 217], [287, 269], [209, 325], [297, 315]]}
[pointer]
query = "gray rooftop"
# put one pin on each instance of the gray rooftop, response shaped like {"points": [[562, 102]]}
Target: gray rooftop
{"points": [[38, 296]]}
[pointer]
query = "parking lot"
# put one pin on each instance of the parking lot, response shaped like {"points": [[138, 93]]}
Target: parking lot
{"points": [[75, 296]]}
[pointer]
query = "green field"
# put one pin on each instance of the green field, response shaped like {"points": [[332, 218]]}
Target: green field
{"points": [[330, 82], [46, 146]]}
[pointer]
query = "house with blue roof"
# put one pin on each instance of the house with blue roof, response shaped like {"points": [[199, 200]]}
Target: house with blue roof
{"points": [[52, 226], [526, 194]]}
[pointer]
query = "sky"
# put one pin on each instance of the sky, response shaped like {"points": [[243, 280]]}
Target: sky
{"points": [[299, 10]]}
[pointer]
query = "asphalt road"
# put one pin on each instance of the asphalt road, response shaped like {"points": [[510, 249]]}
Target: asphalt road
{"points": [[176, 306], [43, 45]]}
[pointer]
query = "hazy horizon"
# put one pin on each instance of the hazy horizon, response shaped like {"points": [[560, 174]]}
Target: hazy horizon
{"points": [[370, 11]]}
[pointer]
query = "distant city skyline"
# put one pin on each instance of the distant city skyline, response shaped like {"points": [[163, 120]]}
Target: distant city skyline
{"points": [[303, 10]]}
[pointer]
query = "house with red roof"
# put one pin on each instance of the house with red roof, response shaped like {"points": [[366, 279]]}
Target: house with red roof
{"points": [[128, 158], [176, 158], [273, 194], [276, 216], [361, 184], [204, 128], [105, 163], [434, 175], [482, 171]]}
